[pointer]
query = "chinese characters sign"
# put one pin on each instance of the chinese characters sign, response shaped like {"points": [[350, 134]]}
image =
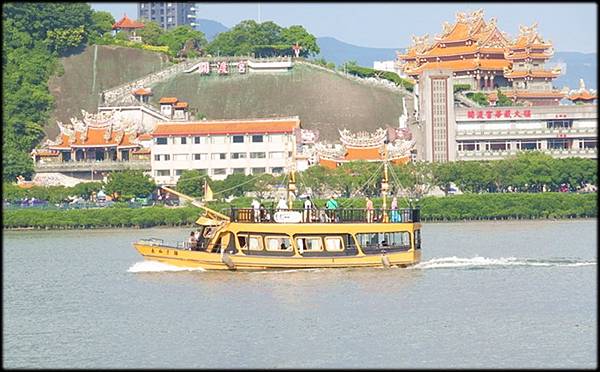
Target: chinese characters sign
{"points": [[221, 68], [498, 114]]}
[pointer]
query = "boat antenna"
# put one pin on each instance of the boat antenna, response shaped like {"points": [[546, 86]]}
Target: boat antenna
{"points": [[384, 182]]}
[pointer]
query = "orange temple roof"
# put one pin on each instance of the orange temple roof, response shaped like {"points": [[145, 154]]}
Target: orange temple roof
{"points": [[95, 138], [226, 127], [582, 96], [168, 100], [127, 23], [142, 92], [181, 105]]}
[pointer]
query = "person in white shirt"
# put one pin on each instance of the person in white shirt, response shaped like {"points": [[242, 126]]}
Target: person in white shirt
{"points": [[256, 210], [282, 205]]}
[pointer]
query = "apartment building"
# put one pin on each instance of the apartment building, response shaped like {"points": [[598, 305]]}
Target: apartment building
{"points": [[219, 148], [168, 15]]}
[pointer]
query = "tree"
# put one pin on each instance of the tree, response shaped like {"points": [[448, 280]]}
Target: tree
{"points": [[178, 36], [191, 182], [61, 40], [297, 34], [128, 184], [151, 33], [102, 23], [503, 100]]}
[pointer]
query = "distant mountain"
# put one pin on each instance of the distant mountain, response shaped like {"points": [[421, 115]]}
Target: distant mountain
{"points": [[575, 65], [210, 28], [339, 52]]}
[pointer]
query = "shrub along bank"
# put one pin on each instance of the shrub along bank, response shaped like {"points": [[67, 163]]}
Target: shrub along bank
{"points": [[454, 208]]}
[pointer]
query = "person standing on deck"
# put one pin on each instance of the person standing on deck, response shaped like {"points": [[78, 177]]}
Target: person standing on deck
{"points": [[331, 206], [308, 205], [369, 210], [395, 214], [282, 204], [256, 210]]}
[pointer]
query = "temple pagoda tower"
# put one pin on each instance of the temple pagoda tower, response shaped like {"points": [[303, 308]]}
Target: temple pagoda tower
{"points": [[480, 55], [471, 48]]}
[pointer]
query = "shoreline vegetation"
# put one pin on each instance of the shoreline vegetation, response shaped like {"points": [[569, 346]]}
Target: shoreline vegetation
{"points": [[456, 208]]}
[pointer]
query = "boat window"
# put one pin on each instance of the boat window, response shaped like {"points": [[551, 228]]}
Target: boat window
{"points": [[387, 239], [309, 244], [251, 242], [274, 243], [334, 244]]}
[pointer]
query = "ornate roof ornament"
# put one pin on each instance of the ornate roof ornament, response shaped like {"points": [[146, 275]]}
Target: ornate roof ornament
{"points": [[363, 138], [581, 85], [528, 31], [420, 43], [447, 27], [461, 17]]}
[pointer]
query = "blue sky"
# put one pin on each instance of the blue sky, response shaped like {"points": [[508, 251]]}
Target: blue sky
{"points": [[572, 27]]}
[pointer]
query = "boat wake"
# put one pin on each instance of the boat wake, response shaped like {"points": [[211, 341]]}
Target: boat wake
{"points": [[485, 262], [156, 267]]}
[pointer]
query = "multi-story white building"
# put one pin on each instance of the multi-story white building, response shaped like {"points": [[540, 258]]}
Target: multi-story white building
{"points": [[491, 133], [223, 147]]}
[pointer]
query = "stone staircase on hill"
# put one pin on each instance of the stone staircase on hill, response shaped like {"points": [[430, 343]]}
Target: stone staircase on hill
{"points": [[119, 95]]}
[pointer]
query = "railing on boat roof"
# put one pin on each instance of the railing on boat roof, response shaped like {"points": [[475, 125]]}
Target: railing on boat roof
{"points": [[341, 215]]}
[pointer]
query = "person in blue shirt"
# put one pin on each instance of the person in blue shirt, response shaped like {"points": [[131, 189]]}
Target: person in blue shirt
{"points": [[331, 206]]}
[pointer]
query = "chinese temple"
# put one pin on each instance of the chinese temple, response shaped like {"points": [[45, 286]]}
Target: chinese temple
{"points": [[128, 26], [582, 95], [482, 56], [98, 137], [368, 147]]}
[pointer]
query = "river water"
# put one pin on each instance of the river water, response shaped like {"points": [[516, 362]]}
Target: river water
{"points": [[520, 294]]}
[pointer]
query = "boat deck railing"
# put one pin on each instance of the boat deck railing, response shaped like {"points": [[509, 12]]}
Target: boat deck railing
{"points": [[340, 215]]}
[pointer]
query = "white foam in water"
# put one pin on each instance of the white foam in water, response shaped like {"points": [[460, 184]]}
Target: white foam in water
{"points": [[155, 267], [479, 262]]}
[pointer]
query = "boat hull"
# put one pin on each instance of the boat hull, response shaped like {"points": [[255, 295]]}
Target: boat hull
{"points": [[240, 261]]}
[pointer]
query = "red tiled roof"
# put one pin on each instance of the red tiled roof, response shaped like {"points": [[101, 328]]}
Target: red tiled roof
{"points": [[584, 96], [127, 22], [226, 127], [168, 100], [142, 92], [181, 104], [145, 137]]}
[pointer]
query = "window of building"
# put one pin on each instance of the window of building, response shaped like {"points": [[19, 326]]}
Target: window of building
{"points": [[237, 139], [162, 172], [528, 145], [239, 170], [274, 243], [309, 244], [588, 143], [258, 155], [157, 157], [559, 124], [183, 140], [219, 156], [277, 170], [257, 138], [160, 140], [167, 157], [218, 139], [238, 155], [558, 143], [180, 157], [201, 156], [178, 172], [497, 145], [277, 155], [196, 140], [219, 171], [202, 171], [258, 170]]}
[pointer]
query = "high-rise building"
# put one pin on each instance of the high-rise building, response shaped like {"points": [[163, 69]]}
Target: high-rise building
{"points": [[168, 15]]}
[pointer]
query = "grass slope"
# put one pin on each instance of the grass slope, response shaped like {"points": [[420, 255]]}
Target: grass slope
{"points": [[79, 87], [323, 100]]}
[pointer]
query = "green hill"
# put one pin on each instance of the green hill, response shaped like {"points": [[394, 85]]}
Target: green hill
{"points": [[85, 77], [323, 100]]}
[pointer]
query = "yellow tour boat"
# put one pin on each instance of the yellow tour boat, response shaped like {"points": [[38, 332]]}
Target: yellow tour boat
{"points": [[253, 239]]}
